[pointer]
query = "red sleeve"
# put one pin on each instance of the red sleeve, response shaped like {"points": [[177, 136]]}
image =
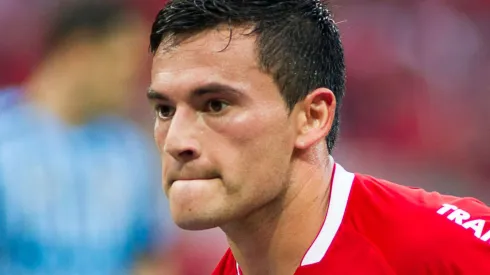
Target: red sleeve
{"points": [[423, 233], [446, 236], [464, 243]]}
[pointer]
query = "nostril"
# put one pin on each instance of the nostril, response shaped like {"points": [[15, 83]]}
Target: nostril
{"points": [[187, 154], [182, 153]]}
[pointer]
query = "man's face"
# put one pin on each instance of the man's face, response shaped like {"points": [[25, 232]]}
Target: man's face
{"points": [[116, 63], [223, 130]]}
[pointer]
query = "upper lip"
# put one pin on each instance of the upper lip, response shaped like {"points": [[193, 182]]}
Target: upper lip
{"points": [[192, 178]]}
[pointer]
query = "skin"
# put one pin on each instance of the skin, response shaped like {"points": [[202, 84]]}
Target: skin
{"points": [[85, 77], [233, 156]]}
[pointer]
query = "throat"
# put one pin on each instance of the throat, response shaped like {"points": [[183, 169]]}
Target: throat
{"points": [[274, 239]]}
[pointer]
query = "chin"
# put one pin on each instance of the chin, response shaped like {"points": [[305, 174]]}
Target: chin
{"points": [[196, 223]]}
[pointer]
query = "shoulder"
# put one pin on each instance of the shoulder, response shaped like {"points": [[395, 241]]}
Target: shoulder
{"points": [[17, 119], [121, 126], [411, 203], [11, 111], [394, 204], [126, 134], [227, 265], [9, 97], [441, 233]]}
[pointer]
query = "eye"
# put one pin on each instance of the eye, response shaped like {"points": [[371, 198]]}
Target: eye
{"points": [[216, 106], [164, 111]]}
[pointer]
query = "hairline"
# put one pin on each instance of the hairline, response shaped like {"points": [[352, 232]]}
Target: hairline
{"points": [[172, 40]]}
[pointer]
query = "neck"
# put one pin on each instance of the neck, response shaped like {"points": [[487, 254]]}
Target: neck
{"points": [[52, 88], [274, 239]]}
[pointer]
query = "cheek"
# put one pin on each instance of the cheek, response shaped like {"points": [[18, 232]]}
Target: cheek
{"points": [[255, 147], [259, 170], [159, 134], [250, 126]]}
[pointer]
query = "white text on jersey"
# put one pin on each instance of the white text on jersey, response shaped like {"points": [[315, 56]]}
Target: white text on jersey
{"points": [[463, 218]]}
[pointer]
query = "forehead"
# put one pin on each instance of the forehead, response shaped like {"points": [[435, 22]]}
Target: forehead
{"points": [[210, 56]]}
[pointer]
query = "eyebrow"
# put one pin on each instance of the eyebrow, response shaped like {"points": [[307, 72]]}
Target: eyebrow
{"points": [[210, 88], [154, 95]]}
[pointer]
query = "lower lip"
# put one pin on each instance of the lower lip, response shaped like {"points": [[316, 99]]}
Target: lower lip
{"points": [[189, 190], [192, 181]]}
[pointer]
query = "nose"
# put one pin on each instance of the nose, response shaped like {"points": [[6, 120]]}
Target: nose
{"points": [[182, 140]]}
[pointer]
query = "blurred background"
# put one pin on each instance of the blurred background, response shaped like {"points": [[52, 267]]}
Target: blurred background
{"points": [[416, 112]]}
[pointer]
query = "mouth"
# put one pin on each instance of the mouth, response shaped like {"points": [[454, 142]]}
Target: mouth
{"points": [[190, 179], [190, 175]]}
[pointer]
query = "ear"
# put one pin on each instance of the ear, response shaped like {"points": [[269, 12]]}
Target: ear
{"points": [[316, 116]]}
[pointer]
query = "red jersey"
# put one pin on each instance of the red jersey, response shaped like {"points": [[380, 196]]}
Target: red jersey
{"points": [[374, 226]]}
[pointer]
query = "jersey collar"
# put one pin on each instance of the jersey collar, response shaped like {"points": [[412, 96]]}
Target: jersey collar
{"points": [[340, 190], [341, 185]]}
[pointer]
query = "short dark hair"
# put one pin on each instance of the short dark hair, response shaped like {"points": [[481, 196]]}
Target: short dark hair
{"points": [[97, 18], [298, 41]]}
